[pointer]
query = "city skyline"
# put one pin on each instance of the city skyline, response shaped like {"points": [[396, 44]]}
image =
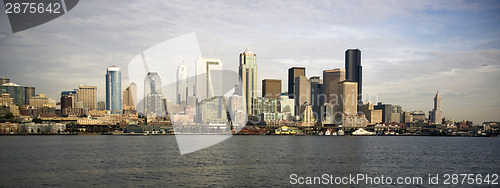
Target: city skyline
{"points": [[405, 59]]}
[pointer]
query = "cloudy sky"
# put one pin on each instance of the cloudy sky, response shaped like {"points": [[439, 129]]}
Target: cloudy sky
{"points": [[410, 49]]}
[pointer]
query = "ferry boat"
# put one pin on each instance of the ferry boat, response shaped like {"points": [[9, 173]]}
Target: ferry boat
{"points": [[362, 132], [285, 130]]}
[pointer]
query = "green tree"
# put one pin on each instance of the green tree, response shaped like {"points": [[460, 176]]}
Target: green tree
{"points": [[8, 116]]}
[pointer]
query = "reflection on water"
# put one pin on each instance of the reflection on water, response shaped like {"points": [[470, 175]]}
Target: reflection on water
{"points": [[240, 160]]}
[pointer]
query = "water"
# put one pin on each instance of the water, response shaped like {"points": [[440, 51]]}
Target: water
{"points": [[153, 161]]}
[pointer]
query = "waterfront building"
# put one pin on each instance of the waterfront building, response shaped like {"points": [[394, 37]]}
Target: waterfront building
{"points": [[181, 84], [302, 92], [113, 90], [354, 69], [307, 115], [436, 115], [271, 88], [248, 76], [208, 80], [293, 73], [153, 102]]}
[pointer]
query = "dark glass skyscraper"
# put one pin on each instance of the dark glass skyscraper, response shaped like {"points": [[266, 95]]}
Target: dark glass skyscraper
{"points": [[293, 73], [353, 68]]}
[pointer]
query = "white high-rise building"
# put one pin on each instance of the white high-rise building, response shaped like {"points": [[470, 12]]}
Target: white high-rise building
{"points": [[208, 80], [182, 85]]}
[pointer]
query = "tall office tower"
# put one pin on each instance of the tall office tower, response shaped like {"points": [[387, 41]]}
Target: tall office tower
{"points": [[208, 80], [271, 88], [293, 73], [15, 91], [4, 80], [101, 105], [88, 96], [28, 92], [248, 76], [114, 90], [331, 80], [68, 98], [436, 113], [302, 92], [348, 91], [354, 69], [153, 102], [182, 85], [130, 96], [317, 97]]}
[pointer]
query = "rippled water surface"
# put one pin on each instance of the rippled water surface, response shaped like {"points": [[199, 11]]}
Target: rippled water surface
{"points": [[152, 161]]}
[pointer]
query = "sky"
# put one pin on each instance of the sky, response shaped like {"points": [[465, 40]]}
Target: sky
{"points": [[410, 49]]}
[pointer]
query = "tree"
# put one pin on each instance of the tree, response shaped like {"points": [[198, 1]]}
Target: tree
{"points": [[8, 116], [37, 120]]}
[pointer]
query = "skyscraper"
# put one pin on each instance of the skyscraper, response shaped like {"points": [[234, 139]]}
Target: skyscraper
{"points": [[302, 92], [15, 91], [248, 76], [153, 103], [348, 91], [88, 96], [130, 96], [354, 69], [28, 92], [181, 84], [331, 80], [317, 97], [271, 88], [114, 90], [293, 73], [208, 80], [436, 115]]}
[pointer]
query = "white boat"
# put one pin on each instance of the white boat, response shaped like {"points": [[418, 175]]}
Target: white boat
{"points": [[340, 133], [328, 133], [362, 132]]}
